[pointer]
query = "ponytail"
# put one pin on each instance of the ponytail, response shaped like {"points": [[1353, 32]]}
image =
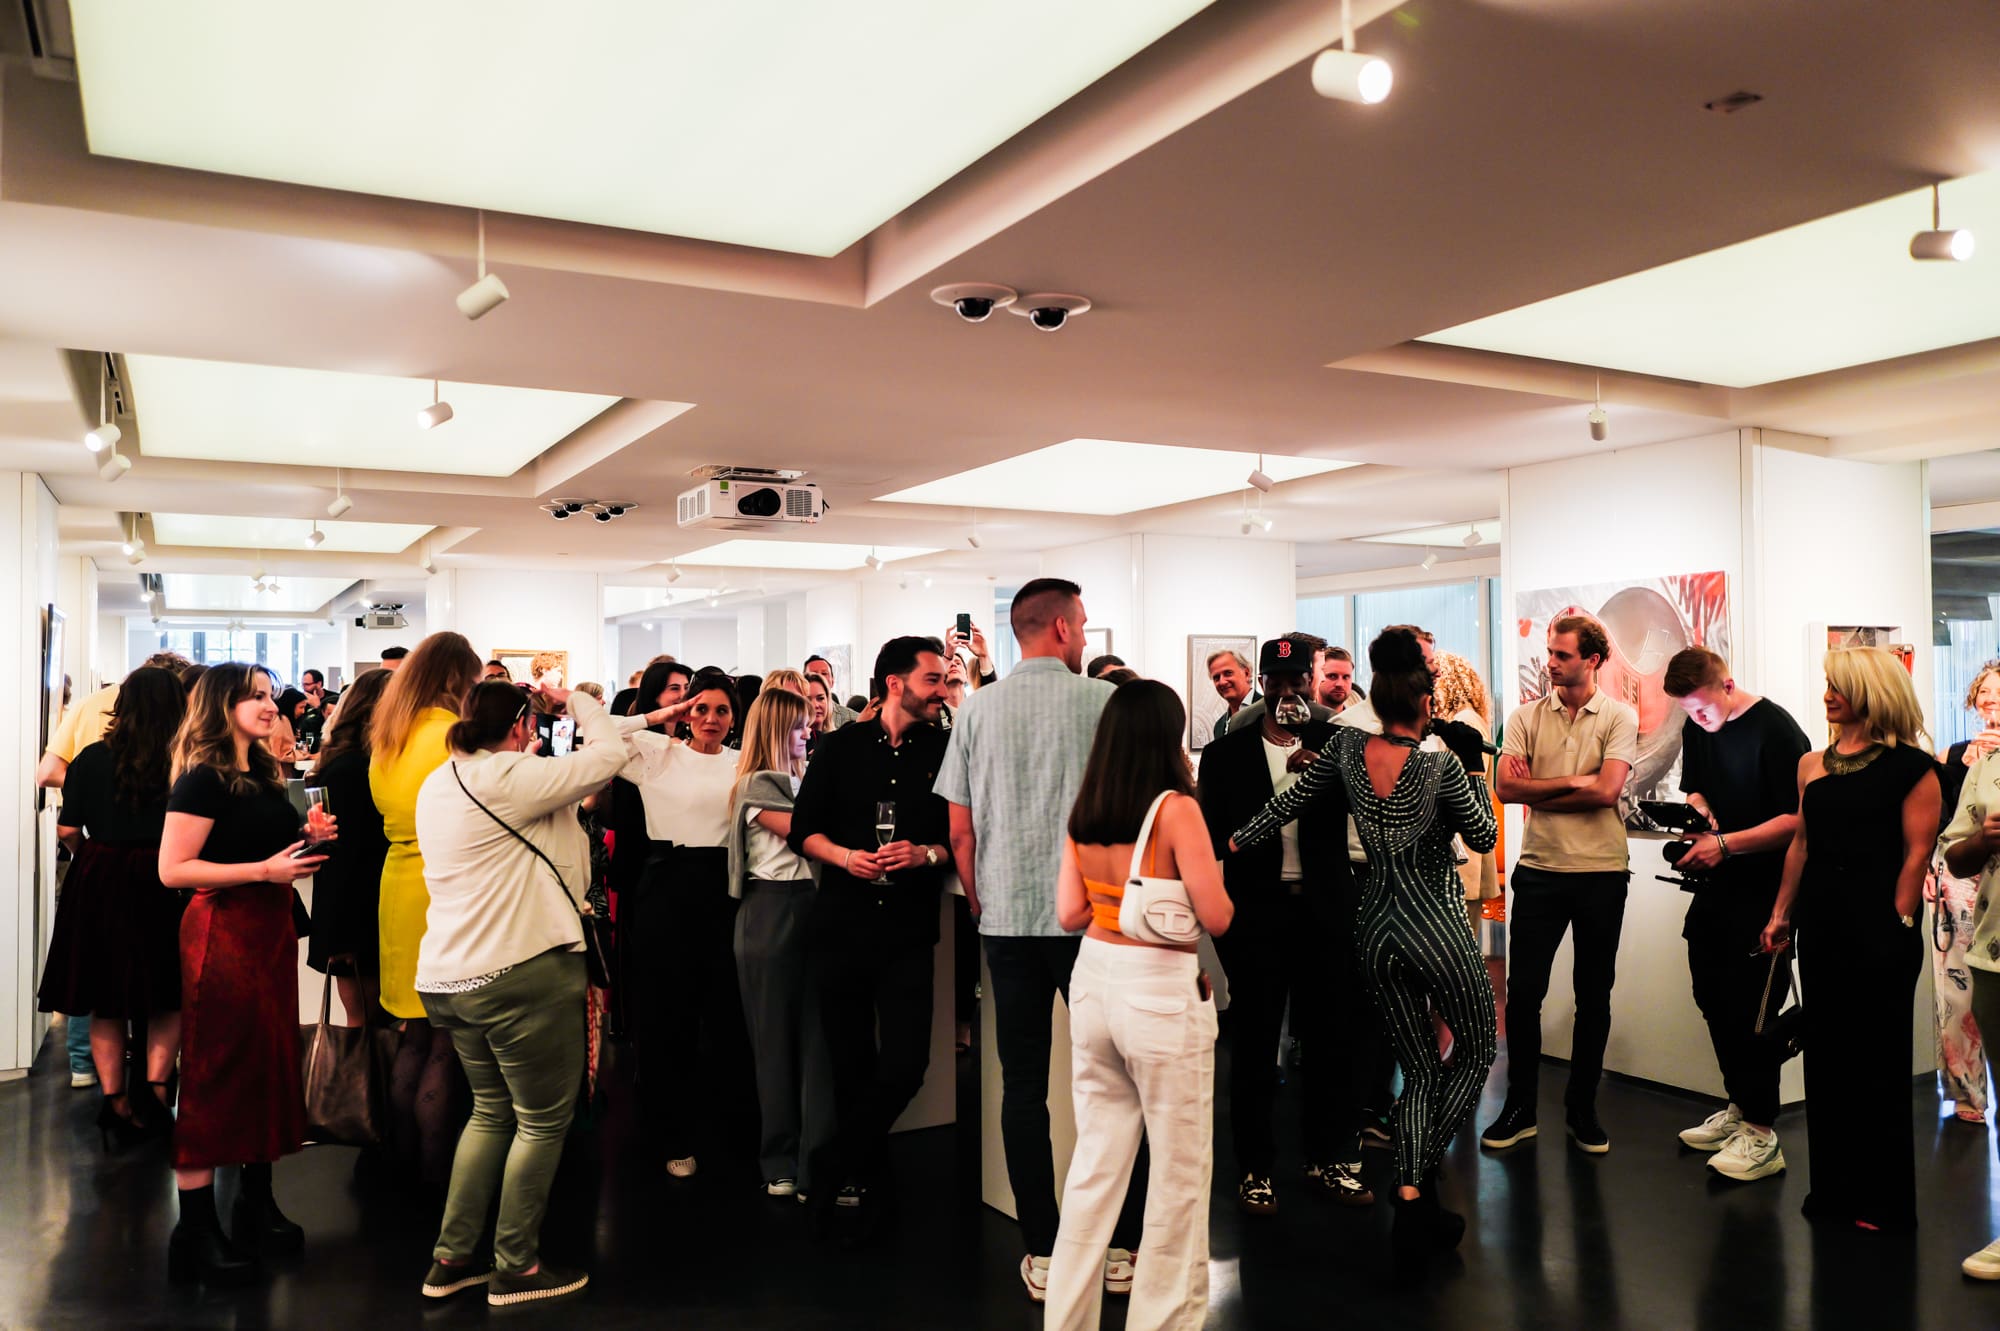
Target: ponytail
{"points": [[491, 710]]}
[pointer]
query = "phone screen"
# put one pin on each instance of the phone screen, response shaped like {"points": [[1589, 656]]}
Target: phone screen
{"points": [[562, 735]]}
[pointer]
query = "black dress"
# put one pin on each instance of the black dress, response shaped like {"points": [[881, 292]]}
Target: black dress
{"points": [[114, 950], [347, 889], [1858, 972]]}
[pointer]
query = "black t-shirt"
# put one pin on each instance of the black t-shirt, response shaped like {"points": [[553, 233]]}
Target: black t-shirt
{"points": [[249, 828], [1748, 772], [90, 801]]}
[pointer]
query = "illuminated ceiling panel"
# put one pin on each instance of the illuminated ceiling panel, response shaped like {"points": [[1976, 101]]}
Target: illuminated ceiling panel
{"points": [[1105, 477], [796, 127], [816, 555], [236, 591], [209, 529]]}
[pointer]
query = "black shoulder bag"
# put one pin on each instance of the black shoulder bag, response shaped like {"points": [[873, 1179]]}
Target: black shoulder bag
{"points": [[596, 943], [1784, 1033]]}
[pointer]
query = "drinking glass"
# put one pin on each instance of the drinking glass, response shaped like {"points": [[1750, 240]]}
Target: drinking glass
{"points": [[319, 813], [885, 828]]}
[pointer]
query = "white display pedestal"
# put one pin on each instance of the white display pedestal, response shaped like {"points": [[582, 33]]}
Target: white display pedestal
{"points": [[994, 1188]]}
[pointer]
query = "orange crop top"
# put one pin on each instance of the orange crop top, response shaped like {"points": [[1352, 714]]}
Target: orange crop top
{"points": [[1106, 916]]}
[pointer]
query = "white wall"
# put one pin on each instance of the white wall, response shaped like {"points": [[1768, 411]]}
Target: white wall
{"points": [[1765, 517], [709, 641], [1208, 584], [523, 609], [28, 528], [750, 654], [1108, 572]]}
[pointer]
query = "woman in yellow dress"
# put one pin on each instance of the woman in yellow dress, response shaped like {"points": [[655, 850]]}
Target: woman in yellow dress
{"points": [[407, 742]]}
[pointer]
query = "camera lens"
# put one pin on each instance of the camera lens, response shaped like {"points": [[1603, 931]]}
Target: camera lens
{"points": [[602, 515], [763, 502], [974, 308], [559, 514], [1048, 318]]}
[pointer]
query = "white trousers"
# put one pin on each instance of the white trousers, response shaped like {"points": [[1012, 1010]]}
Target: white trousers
{"points": [[1142, 1058]]}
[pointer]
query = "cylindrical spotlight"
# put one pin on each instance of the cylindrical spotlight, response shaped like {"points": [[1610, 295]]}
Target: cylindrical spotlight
{"points": [[104, 436], [1430, 560], [341, 503], [114, 467], [1952, 246], [1600, 424], [136, 558], [1350, 76], [436, 414], [972, 539], [482, 297], [1261, 481], [316, 538], [673, 572]]}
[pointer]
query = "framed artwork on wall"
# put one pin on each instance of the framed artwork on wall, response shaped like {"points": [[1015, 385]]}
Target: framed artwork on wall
{"points": [[524, 666], [1204, 706], [1096, 642], [841, 657], [1889, 638], [1647, 620]]}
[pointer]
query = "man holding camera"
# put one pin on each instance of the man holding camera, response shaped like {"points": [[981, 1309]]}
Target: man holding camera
{"points": [[1566, 758], [1739, 767]]}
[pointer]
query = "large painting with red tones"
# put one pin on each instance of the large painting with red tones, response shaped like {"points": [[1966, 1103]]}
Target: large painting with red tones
{"points": [[1647, 621]]}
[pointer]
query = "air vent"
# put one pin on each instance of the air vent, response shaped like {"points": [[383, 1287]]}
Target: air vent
{"points": [[799, 503], [694, 506]]}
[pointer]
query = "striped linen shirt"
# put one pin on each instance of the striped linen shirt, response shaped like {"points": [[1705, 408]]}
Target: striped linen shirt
{"points": [[1018, 750]]}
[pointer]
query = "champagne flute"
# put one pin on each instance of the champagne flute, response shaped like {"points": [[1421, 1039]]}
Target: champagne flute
{"points": [[885, 829]]}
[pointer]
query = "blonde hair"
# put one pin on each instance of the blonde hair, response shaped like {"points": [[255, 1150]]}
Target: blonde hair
{"points": [[1459, 687], [439, 673], [593, 688], [1972, 693], [1880, 691], [767, 736], [207, 735], [786, 678]]}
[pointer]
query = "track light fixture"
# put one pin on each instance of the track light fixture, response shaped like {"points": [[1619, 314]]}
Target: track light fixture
{"points": [[437, 413], [430, 564], [873, 561], [1347, 75], [1600, 424], [105, 434], [114, 466], [341, 503], [137, 557], [1472, 538], [972, 537], [486, 294], [1430, 560], [1258, 479], [146, 595], [673, 572], [315, 538], [1938, 243], [131, 541]]}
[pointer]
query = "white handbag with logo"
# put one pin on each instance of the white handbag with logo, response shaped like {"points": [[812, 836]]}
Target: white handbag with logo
{"points": [[1156, 910]]}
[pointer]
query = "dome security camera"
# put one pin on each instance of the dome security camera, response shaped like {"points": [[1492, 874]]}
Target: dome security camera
{"points": [[1049, 311], [974, 301], [602, 515], [559, 514], [572, 506]]}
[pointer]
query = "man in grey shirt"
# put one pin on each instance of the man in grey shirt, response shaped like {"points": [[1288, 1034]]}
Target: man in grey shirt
{"points": [[1018, 750]]}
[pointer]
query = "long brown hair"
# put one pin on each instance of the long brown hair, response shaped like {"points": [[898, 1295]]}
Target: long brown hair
{"points": [[207, 737], [1137, 754], [439, 673], [767, 736], [354, 713], [146, 716]]}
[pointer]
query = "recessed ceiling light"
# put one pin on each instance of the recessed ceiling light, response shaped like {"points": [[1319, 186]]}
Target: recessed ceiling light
{"points": [[861, 118], [1824, 295], [1106, 477], [219, 411], [1487, 530], [816, 555]]}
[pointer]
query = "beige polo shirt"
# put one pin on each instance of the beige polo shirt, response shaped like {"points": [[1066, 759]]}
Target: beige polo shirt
{"points": [[1605, 730], [83, 724]]}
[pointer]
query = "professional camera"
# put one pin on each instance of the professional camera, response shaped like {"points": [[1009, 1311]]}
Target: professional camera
{"points": [[1687, 823]]}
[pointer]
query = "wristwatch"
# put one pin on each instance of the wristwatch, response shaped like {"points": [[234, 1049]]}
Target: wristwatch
{"points": [[931, 857]]}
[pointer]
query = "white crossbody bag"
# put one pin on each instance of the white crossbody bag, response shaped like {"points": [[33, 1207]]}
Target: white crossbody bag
{"points": [[1156, 910]]}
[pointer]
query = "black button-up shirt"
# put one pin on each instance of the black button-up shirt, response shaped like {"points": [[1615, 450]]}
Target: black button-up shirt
{"points": [[852, 770]]}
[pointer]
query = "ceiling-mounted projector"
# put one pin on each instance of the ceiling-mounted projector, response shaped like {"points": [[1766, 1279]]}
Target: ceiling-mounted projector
{"points": [[382, 617], [748, 498]]}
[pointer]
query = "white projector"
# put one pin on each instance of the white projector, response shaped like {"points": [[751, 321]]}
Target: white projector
{"points": [[738, 503], [381, 619]]}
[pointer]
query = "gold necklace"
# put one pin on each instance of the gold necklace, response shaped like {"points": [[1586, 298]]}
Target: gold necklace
{"points": [[1846, 764]]}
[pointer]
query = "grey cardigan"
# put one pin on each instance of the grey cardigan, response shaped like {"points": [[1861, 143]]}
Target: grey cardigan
{"points": [[765, 791]]}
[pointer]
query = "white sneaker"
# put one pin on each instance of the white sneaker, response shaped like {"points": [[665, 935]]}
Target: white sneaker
{"points": [[681, 1168], [79, 1080], [782, 1187], [1713, 1133], [1035, 1275], [1984, 1264], [1118, 1263], [1750, 1155]]}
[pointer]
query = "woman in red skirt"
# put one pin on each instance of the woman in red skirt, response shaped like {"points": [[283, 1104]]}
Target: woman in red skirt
{"points": [[114, 955], [230, 833]]}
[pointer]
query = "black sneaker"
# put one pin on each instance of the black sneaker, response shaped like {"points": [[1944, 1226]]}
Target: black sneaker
{"points": [[445, 1281], [1340, 1183], [551, 1282], [1515, 1125], [1588, 1134], [1255, 1196], [1377, 1130]]}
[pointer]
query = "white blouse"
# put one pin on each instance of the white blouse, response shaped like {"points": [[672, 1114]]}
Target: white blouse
{"points": [[686, 794]]}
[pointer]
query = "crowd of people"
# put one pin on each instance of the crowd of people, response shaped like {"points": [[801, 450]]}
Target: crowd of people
{"points": [[741, 878]]}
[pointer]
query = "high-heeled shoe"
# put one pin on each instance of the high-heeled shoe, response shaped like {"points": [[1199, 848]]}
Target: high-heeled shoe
{"points": [[116, 1131], [198, 1252], [1411, 1239]]}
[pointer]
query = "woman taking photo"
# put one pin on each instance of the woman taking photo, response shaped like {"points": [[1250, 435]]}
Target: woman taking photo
{"points": [[114, 954], [1142, 1023], [775, 886], [406, 744], [1414, 948], [230, 833], [501, 970], [345, 933], [1853, 884], [683, 921]]}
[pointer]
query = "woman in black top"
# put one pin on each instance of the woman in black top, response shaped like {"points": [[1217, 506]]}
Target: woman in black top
{"points": [[1853, 881], [347, 890], [114, 954]]}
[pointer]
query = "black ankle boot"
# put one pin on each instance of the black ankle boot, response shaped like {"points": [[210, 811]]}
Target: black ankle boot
{"points": [[1410, 1241], [256, 1224], [198, 1252], [1447, 1227]]}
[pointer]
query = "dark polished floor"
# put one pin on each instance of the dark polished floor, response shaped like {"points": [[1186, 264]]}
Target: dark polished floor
{"points": [[1641, 1238]]}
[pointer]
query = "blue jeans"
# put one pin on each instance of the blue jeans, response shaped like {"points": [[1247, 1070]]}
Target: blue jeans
{"points": [[76, 1039]]}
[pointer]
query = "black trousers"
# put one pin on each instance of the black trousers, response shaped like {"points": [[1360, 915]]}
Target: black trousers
{"points": [[693, 1045], [1728, 975], [1297, 947], [874, 992], [1027, 974], [1546, 906]]}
